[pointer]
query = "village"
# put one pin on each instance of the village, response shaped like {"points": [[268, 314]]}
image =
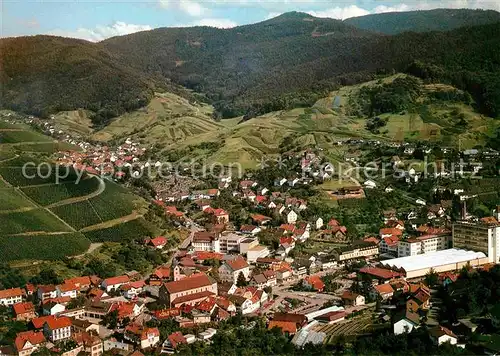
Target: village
{"points": [[271, 258]]}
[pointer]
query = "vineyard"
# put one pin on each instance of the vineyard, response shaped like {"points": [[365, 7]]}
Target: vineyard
{"points": [[49, 194], [10, 199], [345, 328], [98, 209], [78, 215], [45, 247], [30, 221], [22, 136], [124, 232]]}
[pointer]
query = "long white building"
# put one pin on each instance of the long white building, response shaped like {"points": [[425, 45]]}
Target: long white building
{"points": [[439, 261]]}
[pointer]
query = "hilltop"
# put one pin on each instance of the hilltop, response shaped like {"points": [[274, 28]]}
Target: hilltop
{"points": [[392, 23], [282, 63]]}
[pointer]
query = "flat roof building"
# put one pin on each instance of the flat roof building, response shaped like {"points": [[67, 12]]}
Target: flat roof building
{"points": [[439, 261]]}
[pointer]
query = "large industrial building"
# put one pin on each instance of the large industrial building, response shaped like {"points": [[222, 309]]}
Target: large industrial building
{"points": [[481, 236], [440, 261]]}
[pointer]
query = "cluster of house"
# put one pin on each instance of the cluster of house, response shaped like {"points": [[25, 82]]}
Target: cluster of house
{"points": [[103, 160]]}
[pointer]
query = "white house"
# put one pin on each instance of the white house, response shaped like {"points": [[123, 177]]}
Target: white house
{"points": [[405, 323], [291, 217], [53, 308], [56, 329], [369, 184], [150, 337], [67, 290], [319, 223], [439, 335], [11, 296], [112, 283]]}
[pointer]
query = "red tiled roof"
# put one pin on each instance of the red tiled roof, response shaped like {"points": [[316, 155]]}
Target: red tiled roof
{"points": [[260, 198], [9, 293], [176, 338], [116, 280], [162, 272], [384, 288], [35, 338], [390, 231], [247, 228], [203, 236], [349, 295], [40, 321], [207, 255], [287, 227], [285, 326], [67, 287], [381, 273], [332, 316], [125, 309], [237, 263], [286, 240], [260, 218], [192, 282], [489, 220], [78, 281], [22, 308], [333, 222], [59, 323], [166, 313], [439, 331], [315, 282], [158, 241], [372, 239], [391, 241], [206, 305]]}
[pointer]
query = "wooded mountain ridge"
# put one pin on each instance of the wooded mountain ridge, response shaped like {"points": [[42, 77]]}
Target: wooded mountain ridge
{"points": [[284, 62]]}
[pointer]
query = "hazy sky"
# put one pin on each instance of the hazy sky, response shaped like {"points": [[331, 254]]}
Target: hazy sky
{"points": [[96, 20]]}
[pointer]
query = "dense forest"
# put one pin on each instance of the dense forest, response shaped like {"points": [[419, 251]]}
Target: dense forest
{"points": [[285, 62], [393, 23]]}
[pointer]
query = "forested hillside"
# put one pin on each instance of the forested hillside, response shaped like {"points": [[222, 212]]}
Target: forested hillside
{"points": [[285, 62], [392, 23]]}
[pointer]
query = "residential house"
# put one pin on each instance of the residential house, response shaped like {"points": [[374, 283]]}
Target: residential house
{"points": [[352, 299], [385, 291], [288, 322], [313, 282], [405, 322], [46, 292], [133, 289], [189, 290], [205, 241], [291, 216], [91, 344], [389, 245], [52, 307], [245, 305], [67, 290], [255, 252], [231, 269], [332, 317], [143, 336], [318, 223], [160, 275], [114, 283], [27, 342], [57, 329], [158, 242], [250, 229], [440, 335], [11, 296], [24, 311], [82, 283]]}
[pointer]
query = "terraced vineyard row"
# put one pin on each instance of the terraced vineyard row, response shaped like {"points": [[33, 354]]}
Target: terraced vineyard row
{"points": [[48, 247], [50, 194], [30, 221], [122, 232]]}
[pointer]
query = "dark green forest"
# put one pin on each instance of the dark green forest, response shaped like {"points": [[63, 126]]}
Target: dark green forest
{"points": [[289, 61]]}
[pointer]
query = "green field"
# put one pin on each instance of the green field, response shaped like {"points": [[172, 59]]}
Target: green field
{"points": [[127, 231], [78, 215], [49, 194], [30, 221], [44, 247]]}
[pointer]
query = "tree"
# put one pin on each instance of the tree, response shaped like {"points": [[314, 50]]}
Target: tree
{"points": [[241, 281], [431, 278], [111, 319]]}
